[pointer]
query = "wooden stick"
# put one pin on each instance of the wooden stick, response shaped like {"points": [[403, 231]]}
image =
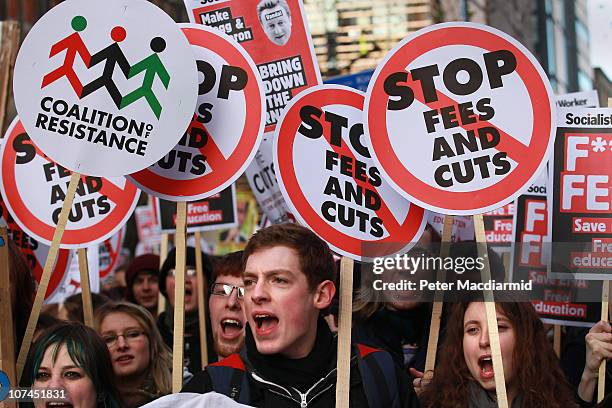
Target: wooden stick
{"points": [[436, 312], [46, 275], [605, 298], [163, 254], [345, 317], [85, 290], [7, 335], [11, 33], [557, 339], [202, 287], [601, 382], [179, 297], [498, 366]]}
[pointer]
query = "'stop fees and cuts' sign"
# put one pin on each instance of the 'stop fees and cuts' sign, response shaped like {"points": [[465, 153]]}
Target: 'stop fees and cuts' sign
{"points": [[275, 34], [105, 88], [330, 182], [582, 195], [460, 118]]}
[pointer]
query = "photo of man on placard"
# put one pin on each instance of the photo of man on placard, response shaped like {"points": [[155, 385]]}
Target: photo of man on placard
{"points": [[275, 18]]}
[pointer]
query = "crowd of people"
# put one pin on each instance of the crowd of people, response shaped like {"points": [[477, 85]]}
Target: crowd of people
{"points": [[272, 342]]}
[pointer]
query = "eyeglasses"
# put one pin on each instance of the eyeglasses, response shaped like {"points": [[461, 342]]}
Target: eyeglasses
{"points": [[225, 289], [129, 336], [190, 272]]}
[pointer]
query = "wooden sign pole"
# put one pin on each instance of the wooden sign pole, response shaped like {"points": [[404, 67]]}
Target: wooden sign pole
{"points": [[11, 33], [46, 275], [179, 297], [498, 367], [7, 335], [202, 288], [557, 339], [344, 333], [601, 381], [85, 289], [605, 298], [163, 254], [436, 312]]}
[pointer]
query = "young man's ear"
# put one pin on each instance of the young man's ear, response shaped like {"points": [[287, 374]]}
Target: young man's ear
{"points": [[324, 294]]}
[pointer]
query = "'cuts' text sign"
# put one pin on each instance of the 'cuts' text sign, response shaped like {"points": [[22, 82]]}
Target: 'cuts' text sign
{"points": [[460, 118], [329, 180], [34, 189]]}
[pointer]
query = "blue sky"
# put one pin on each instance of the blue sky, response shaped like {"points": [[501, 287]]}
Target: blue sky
{"points": [[600, 24]]}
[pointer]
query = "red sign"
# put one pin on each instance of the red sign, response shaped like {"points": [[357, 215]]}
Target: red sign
{"points": [[36, 253], [330, 182], [461, 118], [34, 189], [109, 252], [276, 36], [227, 125]]}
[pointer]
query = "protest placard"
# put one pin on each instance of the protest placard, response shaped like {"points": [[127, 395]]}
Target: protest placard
{"points": [[34, 188], [226, 128], [580, 197], [105, 88], [276, 36], [441, 113], [330, 182], [214, 212], [555, 300]]}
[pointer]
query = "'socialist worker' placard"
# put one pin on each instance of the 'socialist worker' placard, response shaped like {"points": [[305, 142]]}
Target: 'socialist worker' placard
{"points": [[226, 128], [35, 252], [555, 300], [581, 195], [329, 180], [105, 88], [460, 118], [275, 33], [34, 189]]}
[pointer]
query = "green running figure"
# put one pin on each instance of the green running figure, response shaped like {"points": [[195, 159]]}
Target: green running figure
{"points": [[152, 66]]}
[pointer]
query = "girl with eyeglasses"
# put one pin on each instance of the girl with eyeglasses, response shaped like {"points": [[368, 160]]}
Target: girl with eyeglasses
{"points": [[141, 361]]}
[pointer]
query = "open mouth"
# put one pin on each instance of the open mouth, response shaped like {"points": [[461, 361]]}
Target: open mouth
{"points": [[265, 323], [124, 359], [486, 367], [231, 328], [58, 404]]}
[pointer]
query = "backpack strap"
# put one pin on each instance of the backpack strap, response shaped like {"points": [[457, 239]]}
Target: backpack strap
{"points": [[228, 377], [378, 377]]}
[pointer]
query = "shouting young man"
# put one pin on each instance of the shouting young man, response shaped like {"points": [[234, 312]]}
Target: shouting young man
{"points": [[289, 358]]}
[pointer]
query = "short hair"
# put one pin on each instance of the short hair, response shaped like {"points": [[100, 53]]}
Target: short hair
{"points": [[228, 265], [160, 364], [270, 4], [87, 350], [314, 256]]}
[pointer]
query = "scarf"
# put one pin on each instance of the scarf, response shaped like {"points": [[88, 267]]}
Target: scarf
{"points": [[299, 373], [481, 398]]}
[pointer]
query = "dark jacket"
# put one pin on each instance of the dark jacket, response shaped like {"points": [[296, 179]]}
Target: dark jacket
{"points": [[191, 344], [277, 382], [389, 330]]}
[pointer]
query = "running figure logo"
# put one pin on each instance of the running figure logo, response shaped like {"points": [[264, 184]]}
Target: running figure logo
{"points": [[112, 56], [152, 66], [73, 44]]}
